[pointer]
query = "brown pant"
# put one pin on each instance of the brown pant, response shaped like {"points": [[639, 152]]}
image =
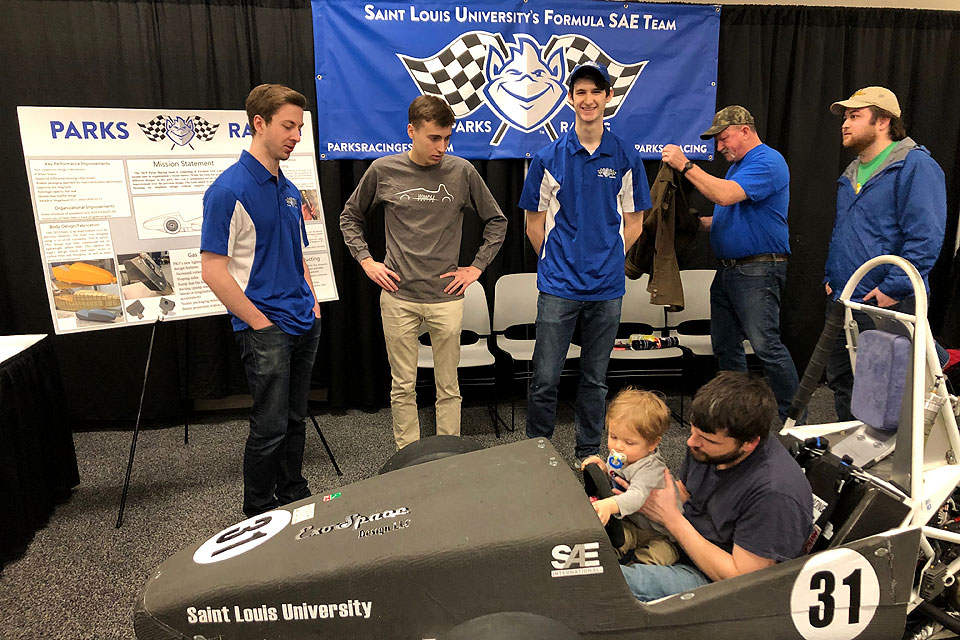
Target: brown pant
{"points": [[402, 320], [648, 546]]}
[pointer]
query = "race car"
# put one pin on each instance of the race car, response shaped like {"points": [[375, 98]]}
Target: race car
{"points": [[502, 542]]}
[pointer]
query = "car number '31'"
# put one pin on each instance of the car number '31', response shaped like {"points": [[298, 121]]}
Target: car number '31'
{"points": [[834, 596], [242, 537]]}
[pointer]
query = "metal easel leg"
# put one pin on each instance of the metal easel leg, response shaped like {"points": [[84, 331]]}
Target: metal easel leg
{"points": [[324, 441]]}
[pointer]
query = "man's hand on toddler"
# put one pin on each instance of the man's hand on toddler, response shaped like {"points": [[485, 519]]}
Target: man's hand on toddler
{"points": [[661, 505], [606, 508]]}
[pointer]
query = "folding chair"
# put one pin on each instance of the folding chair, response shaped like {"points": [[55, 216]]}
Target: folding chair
{"points": [[638, 315], [514, 319], [692, 325]]}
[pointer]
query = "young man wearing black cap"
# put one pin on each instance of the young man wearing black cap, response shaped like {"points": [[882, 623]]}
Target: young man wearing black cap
{"points": [[748, 232], [891, 199], [584, 197]]}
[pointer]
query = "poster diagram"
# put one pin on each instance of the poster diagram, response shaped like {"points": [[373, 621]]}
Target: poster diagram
{"points": [[168, 215], [118, 201]]}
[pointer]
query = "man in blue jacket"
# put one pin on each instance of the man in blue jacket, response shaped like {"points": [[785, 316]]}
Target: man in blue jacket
{"points": [[891, 200]]}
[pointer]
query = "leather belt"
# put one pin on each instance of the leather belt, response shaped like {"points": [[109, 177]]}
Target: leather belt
{"points": [[760, 257]]}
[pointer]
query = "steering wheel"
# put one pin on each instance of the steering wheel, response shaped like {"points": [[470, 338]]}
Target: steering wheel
{"points": [[597, 485]]}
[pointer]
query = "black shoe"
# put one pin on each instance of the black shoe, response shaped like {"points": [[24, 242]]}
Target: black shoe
{"points": [[252, 513]]}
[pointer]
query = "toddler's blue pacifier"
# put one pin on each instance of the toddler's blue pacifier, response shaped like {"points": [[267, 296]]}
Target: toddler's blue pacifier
{"points": [[615, 464], [616, 461]]}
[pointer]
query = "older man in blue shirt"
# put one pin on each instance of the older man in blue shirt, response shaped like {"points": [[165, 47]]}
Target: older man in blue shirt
{"points": [[750, 236]]}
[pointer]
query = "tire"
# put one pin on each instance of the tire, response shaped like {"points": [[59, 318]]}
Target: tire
{"points": [[510, 625], [427, 450]]}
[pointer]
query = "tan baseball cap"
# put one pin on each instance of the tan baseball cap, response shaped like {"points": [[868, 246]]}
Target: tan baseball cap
{"points": [[734, 114], [869, 97]]}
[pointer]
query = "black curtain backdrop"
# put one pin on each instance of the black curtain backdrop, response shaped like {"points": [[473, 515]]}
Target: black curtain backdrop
{"points": [[785, 64]]}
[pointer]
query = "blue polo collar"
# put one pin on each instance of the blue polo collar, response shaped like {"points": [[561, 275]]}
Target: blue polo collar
{"points": [[606, 148], [259, 172]]}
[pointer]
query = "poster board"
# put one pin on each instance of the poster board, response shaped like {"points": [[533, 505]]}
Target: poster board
{"points": [[118, 202]]}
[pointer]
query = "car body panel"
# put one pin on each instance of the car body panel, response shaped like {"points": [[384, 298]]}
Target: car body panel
{"points": [[417, 551]]}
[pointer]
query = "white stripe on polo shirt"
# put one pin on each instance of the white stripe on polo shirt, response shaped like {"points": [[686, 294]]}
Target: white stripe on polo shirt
{"points": [[242, 252], [548, 194], [625, 202]]}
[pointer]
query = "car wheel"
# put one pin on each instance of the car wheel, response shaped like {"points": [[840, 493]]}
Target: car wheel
{"points": [[171, 225], [511, 625], [429, 449]]}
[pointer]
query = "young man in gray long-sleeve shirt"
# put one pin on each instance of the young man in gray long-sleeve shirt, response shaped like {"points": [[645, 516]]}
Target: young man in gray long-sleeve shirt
{"points": [[424, 193]]}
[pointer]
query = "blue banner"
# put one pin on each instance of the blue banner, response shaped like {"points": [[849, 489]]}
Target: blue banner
{"points": [[502, 65]]}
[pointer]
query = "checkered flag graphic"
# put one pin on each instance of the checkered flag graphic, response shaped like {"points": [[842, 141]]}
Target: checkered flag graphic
{"points": [[455, 73], [204, 130], [580, 49], [155, 130]]}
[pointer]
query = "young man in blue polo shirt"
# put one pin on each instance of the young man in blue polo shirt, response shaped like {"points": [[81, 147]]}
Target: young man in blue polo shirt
{"points": [[584, 197], [252, 259], [748, 232]]}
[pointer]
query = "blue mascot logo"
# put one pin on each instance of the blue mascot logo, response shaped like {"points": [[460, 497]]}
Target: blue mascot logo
{"points": [[522, 82], [525, 90], [179, 130]]}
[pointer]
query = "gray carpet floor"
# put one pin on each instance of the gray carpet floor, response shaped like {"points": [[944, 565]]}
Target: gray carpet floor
{"points": [[81, 575]]}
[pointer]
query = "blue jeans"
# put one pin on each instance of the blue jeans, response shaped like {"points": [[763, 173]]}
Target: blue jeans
{"points": [[745, 304], [556, 319], [652, 581], [279, 366]]}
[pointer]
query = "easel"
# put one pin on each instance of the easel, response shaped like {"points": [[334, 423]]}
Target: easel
{"points": [[136, 429]]}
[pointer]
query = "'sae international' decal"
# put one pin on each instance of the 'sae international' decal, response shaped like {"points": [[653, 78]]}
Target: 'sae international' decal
{"points": [[581, 559]]}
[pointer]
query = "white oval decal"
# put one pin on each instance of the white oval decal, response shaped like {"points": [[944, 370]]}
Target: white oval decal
{"points": [[242, 537], [835, 596]]}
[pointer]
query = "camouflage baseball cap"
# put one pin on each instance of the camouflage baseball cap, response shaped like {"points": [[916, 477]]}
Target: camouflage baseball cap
{"points": [[869, 97], [734, 114]]}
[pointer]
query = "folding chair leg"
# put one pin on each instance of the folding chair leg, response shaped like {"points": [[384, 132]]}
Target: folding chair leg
{"points": [[495, 418], [494, 410]]}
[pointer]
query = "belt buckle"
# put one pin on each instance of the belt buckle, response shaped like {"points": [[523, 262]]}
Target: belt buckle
{"points": [[728, 262]]}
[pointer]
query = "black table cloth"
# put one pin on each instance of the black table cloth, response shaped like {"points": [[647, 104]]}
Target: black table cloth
{"points": [[38, 463]]}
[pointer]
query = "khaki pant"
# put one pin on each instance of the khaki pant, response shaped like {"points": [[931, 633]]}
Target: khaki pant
{"points": [[401, 328], [648, 546]]}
